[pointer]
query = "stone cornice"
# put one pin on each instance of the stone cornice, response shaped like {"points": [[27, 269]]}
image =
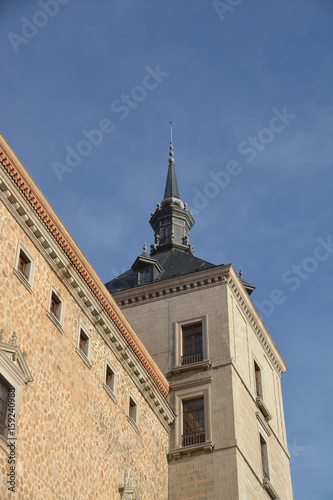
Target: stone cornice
{"points": [[206, 278], [159, 290], [38, 220], [248, 309]]}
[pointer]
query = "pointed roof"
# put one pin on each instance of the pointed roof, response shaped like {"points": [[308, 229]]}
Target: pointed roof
{"points": [[171, 187]]}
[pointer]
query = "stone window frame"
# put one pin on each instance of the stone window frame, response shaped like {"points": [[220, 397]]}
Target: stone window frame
{"points": [[27, 277], [58, 320], [134, 420], [259, 398], [178, 329], [187, 393], [112, 391], [16, 374], [85, 356]]}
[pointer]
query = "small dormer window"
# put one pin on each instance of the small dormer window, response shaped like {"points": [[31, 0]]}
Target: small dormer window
{"points": [[144, 276]]}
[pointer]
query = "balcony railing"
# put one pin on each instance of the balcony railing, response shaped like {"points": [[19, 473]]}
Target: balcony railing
{"points": [[193, 357], [195, 438]]}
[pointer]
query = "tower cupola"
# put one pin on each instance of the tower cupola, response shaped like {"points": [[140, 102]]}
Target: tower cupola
{"points": [[171, 220]]}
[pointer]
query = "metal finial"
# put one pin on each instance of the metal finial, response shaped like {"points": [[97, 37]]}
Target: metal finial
{"points": [[171, 159], [240, 273], [145, 247]]}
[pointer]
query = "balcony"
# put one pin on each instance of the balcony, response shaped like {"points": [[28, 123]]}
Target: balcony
{"points": [[194, 438], [193, 357]]}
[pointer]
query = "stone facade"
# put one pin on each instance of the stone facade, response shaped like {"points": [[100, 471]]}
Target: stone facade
{"points": [[228, 464], [79, 434]]}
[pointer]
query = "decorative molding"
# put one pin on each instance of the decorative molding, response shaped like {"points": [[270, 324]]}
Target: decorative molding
{"points": [[190, 383], [260, 332], [263, 408], [13, 360], [269, 488], [200, 365], [262, 423], [177, 453], [160, 289]]}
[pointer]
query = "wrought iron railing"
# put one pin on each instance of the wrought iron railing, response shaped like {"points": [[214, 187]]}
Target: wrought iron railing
{"points": [[194, 438], [193, 357]]}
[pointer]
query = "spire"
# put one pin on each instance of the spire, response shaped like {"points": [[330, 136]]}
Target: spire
{"points": [[171, 187], [171, 220]]}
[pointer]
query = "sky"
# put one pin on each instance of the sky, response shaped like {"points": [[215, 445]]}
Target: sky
{"points": [[88, 89]]}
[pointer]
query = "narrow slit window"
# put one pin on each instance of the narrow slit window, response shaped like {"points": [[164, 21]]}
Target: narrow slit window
{"points": [[264, 457], [257, 372], [132, 410]]}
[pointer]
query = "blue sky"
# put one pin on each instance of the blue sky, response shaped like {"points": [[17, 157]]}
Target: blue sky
{"points": [[249, 93]]}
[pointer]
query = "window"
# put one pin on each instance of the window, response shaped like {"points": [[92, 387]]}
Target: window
{"points": [[56, 308], [193, 422], [192, 430], [192, 344], [257, 372], [24, 266], [84, 345], [55, 305], [259, 393], [132, 409], [84, 342], [109, 378], [144, 276], [3, 406], [133, 413], [264, 457]]}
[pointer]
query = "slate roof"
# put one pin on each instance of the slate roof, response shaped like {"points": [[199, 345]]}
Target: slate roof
{"points": [[171, 187], [174, 263]]}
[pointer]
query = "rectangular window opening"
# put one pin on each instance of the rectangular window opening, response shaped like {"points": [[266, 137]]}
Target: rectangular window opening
{"points": [[24, 264], [192, 344], [55, 306], [132, 410], [193, 422], [84, 341], [264, 457], [109, 378], [258, 380]]}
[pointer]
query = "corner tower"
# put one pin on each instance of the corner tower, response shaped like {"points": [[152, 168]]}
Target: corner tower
{"points": [[199, 324]]}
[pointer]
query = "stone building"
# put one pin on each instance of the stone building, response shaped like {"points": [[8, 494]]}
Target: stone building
{"points": [[199, 324], [83, 408]]}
